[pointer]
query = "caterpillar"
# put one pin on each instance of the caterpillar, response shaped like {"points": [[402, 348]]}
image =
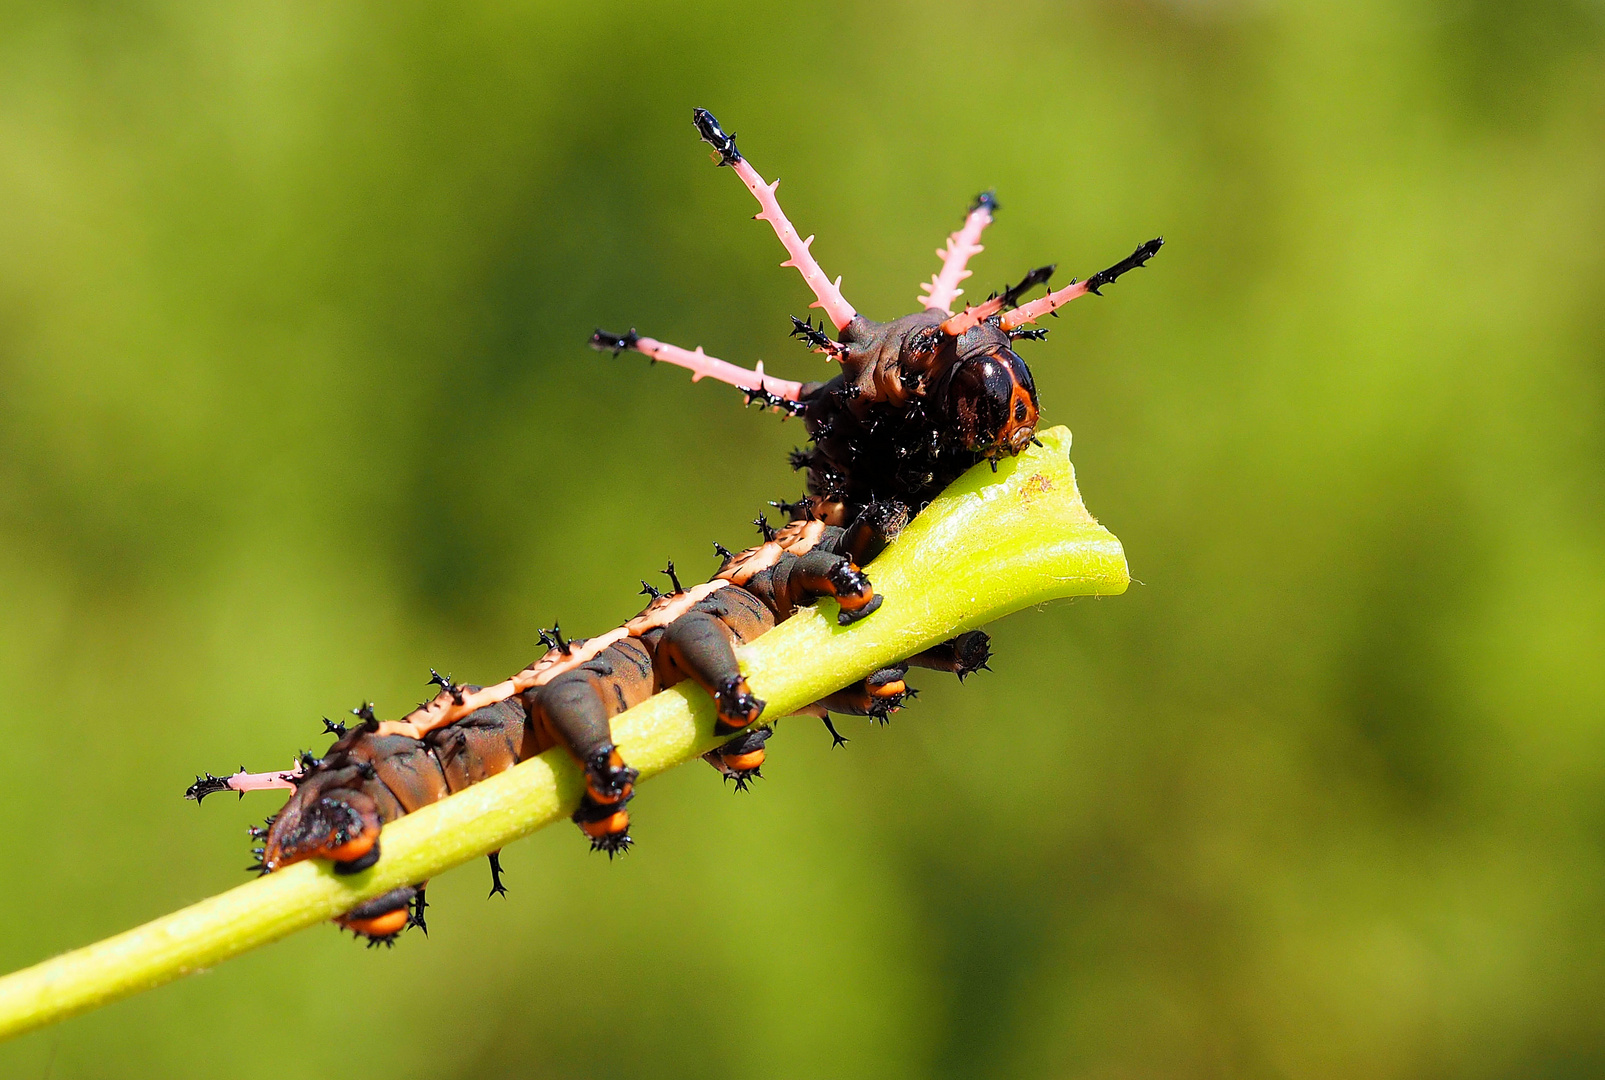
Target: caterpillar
{"points": [[378, 771], [918, 400]]}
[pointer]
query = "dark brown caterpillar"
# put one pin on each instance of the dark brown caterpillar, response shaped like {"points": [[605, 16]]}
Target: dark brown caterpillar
{"points": [[918, 400], [376, 772]]}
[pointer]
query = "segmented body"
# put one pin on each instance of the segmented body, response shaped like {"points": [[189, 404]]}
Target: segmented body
{"points": [[916, 402], [377, 771]]}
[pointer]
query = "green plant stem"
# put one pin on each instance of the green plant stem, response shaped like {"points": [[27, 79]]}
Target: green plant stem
{"points": [[992, 544]]}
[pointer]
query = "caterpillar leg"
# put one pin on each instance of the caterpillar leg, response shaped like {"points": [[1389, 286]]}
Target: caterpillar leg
{"points": [[943, 289], [887, 690], [876, 526], [601, 816], [963, 655], [766, 390], [877, 696], [827, 293], [383, 918], [741, 758], [700, 646], [335, 816], [800, 579], [573, 707]]}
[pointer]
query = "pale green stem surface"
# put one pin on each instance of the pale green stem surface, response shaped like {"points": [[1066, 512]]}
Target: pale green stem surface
{"points": [[991, 545]]}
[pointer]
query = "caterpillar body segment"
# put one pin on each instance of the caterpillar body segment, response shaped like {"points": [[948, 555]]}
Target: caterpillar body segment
{"points": [[878, 696], [741, 758], [378, 771], [910, 405], [382, 919]]}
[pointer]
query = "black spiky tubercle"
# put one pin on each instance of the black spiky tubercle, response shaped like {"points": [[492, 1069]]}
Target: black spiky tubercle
{"points": [[723, 144], [1135, 261], [1039, 276], [880, 453], [445, 683], [553, 639], [613, 844], [207, 784], [815, 337], [771, 400], [602, 341]]}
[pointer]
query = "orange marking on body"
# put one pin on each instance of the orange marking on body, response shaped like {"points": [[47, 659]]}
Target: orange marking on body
{"points": [[607, 800], [389, 924], [608, 826], [744, 762], [853, 603], [665, 609], [354, 848], [891, 689], [797, 538]]}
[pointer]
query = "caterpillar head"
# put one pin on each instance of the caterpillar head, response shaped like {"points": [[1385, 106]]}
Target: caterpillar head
{"points": [[991, 398]]}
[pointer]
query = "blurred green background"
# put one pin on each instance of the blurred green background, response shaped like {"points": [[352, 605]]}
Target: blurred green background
{"points": [[295, 403]]}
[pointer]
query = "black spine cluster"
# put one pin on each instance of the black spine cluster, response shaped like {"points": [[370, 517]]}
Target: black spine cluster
{"points": [[1039, 276], [1135, 261], [602, 341], [714, 135]]}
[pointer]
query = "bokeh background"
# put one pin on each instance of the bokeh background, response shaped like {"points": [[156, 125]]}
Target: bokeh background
{"points": [[295, 403]]}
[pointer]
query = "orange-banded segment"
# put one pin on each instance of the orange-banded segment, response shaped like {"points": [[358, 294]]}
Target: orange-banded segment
{"points": [[379, 927], [386, 915], [744, 762], [740, 758], [606, 792], [796, 538]]}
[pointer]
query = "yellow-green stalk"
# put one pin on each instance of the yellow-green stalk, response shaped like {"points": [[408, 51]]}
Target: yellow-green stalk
{"points": [[992, 544]]}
